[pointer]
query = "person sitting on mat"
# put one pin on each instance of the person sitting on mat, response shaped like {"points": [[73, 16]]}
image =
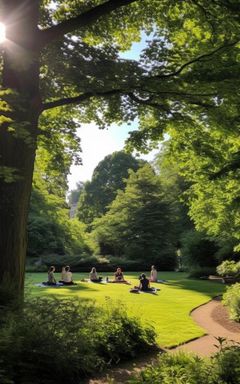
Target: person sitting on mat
{"points": [[145, 284], [153, 274], [67, 276], [93, 276], [118, 277], [62, 275], [51, 278]]}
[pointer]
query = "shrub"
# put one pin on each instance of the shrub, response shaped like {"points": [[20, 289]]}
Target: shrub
{"points": [[182, 368], [201, 272], [77, 263], [83, 263], [231, 299], [229, 268], [227, 251], [197, 250], [226, 366], [50, 340], [175, 368]]}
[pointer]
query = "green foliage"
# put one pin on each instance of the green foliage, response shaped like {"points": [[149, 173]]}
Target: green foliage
{"points": [[49, 340], [77, 262], [50, 230], [175, 368], [197, 250], [229, 268], [183, 368], [138, 223], [231, 299], [201, 272], [174, 186], [164, 88], [108, 177], [225, 367], [205, 156]]}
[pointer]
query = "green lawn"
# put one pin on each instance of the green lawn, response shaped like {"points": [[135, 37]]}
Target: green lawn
{"points": [[168, 311]]}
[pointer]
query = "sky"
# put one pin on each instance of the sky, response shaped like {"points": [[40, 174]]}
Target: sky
{"points": [[96, 143]]}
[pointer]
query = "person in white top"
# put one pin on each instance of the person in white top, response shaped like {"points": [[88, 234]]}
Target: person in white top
{"points": [[67, 276], [153, 274], [93, 276]]}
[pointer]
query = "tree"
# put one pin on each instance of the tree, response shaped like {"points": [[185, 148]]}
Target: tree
{"points": [[50, 229], [174, 186], [208, 160], [66, 54], [108, 177], [138, 224]]}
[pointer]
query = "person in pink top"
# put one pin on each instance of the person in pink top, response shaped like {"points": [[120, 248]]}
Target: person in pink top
{"points": [[153, 274]]}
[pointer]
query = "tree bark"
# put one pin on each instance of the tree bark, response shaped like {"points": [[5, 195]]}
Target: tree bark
{"points": [[18, 138]]}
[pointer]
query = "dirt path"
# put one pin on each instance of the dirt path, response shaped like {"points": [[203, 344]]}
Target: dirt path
{"points": [[122, 373], [213, 317]]}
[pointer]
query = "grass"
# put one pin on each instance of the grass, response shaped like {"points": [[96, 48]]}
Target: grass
{"points": [[168, 312]]}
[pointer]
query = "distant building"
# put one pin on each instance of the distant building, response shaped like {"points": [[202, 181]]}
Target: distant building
{"points": [[73, 210]]}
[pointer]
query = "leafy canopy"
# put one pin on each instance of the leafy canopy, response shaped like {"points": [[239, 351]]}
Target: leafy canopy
{"points": [[188, 71]]}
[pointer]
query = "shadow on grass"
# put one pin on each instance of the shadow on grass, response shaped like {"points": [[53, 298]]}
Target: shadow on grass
{"points": [[65, 290], [202, 286]]}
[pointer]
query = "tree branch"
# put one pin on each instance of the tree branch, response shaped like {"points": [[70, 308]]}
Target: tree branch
{"points": [[78, 99], [83, 20], [184, 94], [86, 96], [199, 58], [147, 102]]}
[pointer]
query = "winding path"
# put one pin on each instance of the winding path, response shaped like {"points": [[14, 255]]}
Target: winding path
{"points": [[213, 317]]}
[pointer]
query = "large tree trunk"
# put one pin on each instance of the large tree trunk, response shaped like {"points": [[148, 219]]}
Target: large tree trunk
{"points": [[18, 138]]}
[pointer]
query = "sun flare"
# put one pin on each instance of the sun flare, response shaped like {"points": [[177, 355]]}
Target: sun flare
{"points": [[2, 32]]}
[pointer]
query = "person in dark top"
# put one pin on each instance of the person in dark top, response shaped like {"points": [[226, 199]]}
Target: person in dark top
{"points": [[144, 285]]}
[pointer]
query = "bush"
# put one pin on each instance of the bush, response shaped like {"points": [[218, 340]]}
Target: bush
{"points": [[231, 299], [178, 368], [227, 251], [51, 340], [181, 368], [198, 251], [35, 264], [225, 366], [81, 262], [108, 263], [229, 268], [201, 272]]}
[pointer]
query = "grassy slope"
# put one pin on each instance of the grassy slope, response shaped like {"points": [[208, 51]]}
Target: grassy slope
{"points": [[168, 312]]}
